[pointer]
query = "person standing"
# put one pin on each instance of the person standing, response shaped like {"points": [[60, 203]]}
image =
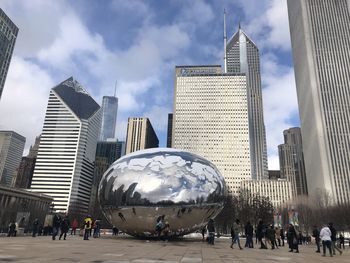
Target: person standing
{"points": [[56, 223], [341, 241], [292, 238], [87, 227], [248, 231], [35, 227], [334, 239], [282, 236], [235, 233], [211, 231], [325, 236], [316, 235], [75, 225], [97, 227], [64, 227], [260, 234]]}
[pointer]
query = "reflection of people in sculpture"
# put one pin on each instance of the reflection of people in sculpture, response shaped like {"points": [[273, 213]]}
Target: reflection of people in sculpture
{"points": [[160, 224], [134, 211], [121, 217]]}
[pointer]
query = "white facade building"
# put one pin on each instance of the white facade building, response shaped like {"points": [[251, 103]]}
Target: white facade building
{"points": [[277, 191], [321, 53], [211, 119], [65, 163], [11, 151]]}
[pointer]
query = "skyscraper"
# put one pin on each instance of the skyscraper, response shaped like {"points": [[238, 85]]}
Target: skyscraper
{"points": [[65, 163], [320, 33], [8, 35], [242, 56], [11, 150], [292, 161], [109, 117], [170, 130], [140, 135], [211, 119], [26, 167], [106, 153]]}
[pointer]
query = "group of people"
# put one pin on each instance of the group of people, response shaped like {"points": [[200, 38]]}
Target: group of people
{"points": [[275, 237], [328, 237], [162, 228]]}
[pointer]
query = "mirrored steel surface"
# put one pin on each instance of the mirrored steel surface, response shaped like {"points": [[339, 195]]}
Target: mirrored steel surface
{"points": [[143, 186]]}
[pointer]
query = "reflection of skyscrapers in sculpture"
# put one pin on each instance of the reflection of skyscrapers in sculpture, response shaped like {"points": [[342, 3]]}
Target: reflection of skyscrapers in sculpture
{"points": [[65, 162], [140, 135], [321, 51], [109, 117], [26, 167], [292, 161], [242, 56], [211, 119], [11, 150], [8, 35]]}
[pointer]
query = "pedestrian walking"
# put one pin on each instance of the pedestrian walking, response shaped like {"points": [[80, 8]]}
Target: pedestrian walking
{"points": [[75, 225], [64, 227], [260, 233], [115, 231], [334, 239], [341, 241], [235, 229], [56, 224], [12, 230], [326, 238], [97, 228], [248, 231], [316, 235], [87, 227], [292, 238], [211, 231], [35, 227]]}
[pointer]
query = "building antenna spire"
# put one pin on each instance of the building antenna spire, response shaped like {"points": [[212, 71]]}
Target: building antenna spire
{"points": [[225, 43], [115, 88], [239, 24]]}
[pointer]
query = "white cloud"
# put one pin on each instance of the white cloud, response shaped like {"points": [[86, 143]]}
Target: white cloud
{"points": [[18, 110], [280, 104]]}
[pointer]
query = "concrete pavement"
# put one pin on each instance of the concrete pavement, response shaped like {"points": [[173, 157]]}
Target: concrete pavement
{"points": [[108, 249]]}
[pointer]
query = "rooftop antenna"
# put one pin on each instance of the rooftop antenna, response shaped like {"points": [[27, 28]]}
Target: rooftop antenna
{"points": [[239, 23], [225, 42], [115, 88]]}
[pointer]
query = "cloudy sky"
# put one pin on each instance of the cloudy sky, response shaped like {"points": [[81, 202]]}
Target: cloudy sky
{"points": [[139, 43]]}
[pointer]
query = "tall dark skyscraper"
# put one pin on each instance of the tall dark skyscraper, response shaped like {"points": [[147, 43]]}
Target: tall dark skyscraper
{"points": [[320, 31], [8, 35], [242, 56], [292, 164], [26, 167], [109, 117], [106, 153], [170, 130]]}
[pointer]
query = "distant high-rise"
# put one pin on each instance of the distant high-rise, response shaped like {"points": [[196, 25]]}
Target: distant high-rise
{"points": [[109, 117], [65, 163], [320, 33], [170, 130], [11, 150], [242, 56], [140, 135], [26, 167], [106, 153], [211, 119], [8, 35], [291, 157]]}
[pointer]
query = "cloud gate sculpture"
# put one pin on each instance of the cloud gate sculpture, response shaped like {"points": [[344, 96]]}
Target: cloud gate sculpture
{"points": [[148, 189]]}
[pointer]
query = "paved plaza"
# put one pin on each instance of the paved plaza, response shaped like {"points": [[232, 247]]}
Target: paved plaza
{"points": [[120, 249]]}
